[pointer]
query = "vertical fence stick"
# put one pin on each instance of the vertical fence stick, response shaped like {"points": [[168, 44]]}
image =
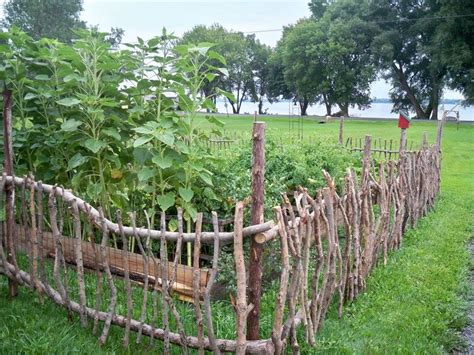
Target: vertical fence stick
{"points": [[10, 191], [341, 130], [110, 280], [242, 309], [145, 271], [126, 274], [256, 249], [281, 298], [34, 239], [210, 283], [164, 282], [425, 140], [439, 133], [196, 283], [403, 140], [79, 262]]}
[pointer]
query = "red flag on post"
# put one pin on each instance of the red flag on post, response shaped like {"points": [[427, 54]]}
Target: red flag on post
{"points": [[403, 120]]}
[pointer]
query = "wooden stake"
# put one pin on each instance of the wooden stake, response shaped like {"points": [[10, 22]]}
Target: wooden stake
{"points": [[110, 280], [341, 130], [242, 309], [164, 282], [403, 140], [127, 283], [10, 188], [210, 283], [196, 288], [439, 133], [281, 298], [79, 263], [256, 248]]}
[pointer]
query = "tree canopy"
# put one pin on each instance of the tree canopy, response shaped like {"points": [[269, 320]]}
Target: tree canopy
{"points": [[55, 19], [246, 59]]}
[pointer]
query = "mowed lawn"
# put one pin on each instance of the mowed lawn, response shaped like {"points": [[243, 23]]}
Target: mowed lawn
{"points": [[415, 304]]}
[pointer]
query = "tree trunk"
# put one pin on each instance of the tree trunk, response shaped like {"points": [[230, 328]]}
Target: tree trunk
{"points": [[256, 249], [327, 104], [260, 106], [435, 100], [344, 107], [404, 84], [304, 106], [234, 109]]}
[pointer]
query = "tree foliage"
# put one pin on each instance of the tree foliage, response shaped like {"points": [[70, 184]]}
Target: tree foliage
{"points": [[114, 115], [246, 59], [327, 59], [54, 19]]}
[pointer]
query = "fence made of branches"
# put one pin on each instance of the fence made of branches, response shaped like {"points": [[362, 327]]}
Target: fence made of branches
{"points": [[66, 250]]}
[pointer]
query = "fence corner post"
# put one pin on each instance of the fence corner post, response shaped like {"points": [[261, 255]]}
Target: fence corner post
{"points": [[439, 133], [10, 198], [256, 249]]}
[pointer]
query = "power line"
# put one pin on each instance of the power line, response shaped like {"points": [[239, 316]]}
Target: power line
{"points": [[382, 21]]}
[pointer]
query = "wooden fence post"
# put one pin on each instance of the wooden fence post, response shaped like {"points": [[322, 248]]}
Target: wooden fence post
{"points": [[403, 140], [10, 191], [439, 134], [256, 249], [425, 143], [341, 130]]}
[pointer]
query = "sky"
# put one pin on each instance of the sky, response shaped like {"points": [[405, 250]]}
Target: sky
{"points": [[146, 18]]}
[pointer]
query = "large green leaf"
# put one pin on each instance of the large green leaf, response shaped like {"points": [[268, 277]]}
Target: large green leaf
{"points": [[30, 96], [112, 132], [94, 145], [142, 140], [42, 77], [146, 174], [166, 201], [186, 194], [166, 138], [206, 178], [68, 101], [163, 162], [77, 160], [70, 125]]}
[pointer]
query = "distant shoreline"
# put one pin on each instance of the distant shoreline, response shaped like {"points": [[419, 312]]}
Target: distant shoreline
{"points": [[352, 118]]}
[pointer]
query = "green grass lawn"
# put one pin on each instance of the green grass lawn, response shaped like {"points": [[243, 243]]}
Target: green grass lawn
{"points": [[416, 304]]}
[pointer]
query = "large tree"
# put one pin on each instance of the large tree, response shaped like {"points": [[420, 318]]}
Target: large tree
{"points": [[260, 64], [408, 53], [246, 59], [455, 39], [45, 18], [327, 58]]}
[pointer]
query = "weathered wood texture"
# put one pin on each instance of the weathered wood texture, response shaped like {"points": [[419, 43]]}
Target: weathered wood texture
{"points": [[330, 243], [183, 281], [10, 190], [403, 191], [256, 248]]}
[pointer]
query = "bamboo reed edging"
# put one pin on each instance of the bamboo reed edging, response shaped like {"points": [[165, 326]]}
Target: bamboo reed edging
{"points": [[330, 242]]}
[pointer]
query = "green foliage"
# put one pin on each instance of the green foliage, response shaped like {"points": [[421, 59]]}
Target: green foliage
{"points": [[454, 38], [246, 59], [106, 124], [327, 59], [287, 167], [45, 18], [415, 304]]}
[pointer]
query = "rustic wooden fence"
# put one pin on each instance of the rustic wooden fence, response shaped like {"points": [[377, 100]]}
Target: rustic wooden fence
{"points": [[329, 243]]}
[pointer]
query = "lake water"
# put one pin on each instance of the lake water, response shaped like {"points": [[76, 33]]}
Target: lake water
{"points": [[376, 110]]}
